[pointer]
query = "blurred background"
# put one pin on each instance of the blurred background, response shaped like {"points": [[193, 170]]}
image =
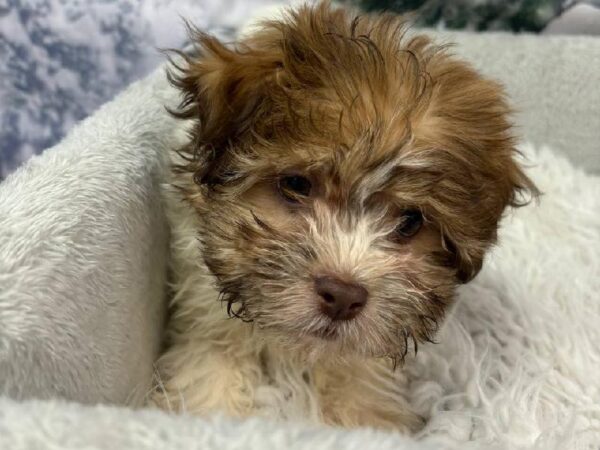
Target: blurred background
{"points": [[61, 59]]}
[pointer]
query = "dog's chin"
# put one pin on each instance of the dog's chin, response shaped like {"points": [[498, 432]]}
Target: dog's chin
{"points": [[313, 347], [331, 341]]}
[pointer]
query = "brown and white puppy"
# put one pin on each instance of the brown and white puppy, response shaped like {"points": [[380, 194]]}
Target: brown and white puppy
{"points": [[339, 181]]}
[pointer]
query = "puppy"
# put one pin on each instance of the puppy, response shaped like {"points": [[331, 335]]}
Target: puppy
{"points": [[340, 179]]}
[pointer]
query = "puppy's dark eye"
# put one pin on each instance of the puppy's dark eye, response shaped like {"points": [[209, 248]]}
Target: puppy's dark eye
{"points": [[294, 187], [411, 222]]}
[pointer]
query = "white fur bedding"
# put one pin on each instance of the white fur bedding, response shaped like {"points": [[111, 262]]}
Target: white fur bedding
{"points": [[517, 364]]}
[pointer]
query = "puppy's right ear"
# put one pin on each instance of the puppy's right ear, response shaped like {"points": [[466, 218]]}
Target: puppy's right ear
{"points": [[226, 91]]}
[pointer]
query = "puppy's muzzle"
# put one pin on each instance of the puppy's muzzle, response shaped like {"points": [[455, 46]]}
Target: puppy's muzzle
{"points": [[340, 300]]}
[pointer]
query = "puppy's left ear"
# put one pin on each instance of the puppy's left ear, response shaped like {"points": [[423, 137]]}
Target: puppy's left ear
{"points": [[225, 91], [471, 129], [514, 189]]}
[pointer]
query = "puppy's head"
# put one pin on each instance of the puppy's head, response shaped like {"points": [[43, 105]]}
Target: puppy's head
{"points": [[346, 177]]}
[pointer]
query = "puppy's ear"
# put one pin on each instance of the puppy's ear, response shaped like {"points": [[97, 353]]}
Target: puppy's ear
{"points": [[513, 188], [468, 268], [225, 91], [469, 124]]}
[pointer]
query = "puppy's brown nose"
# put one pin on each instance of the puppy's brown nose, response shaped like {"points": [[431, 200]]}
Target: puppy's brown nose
{"points": [[340, 300]]}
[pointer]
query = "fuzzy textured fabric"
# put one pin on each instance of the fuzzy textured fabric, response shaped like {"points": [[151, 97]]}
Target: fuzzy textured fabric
{"points": [[83, 243], [59, 61], [56, 425], [516, 365]]}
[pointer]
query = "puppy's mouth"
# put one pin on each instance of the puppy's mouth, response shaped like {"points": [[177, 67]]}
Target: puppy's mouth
{"points": [[329, 332]]}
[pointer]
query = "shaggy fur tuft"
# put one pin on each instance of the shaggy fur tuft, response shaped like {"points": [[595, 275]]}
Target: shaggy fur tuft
{"points": [[380, 127]]}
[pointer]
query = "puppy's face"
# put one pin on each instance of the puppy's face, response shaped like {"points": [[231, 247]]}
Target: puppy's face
{"points": [[346, 178]]}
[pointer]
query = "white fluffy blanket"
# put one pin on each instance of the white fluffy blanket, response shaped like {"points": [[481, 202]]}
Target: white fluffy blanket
{"points": [[517, 364]]}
